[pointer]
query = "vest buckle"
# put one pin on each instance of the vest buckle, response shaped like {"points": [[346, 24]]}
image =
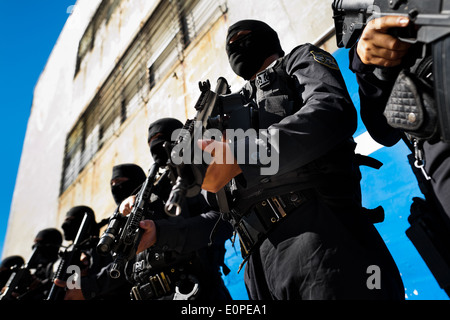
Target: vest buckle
{"points": [[262, 79]]}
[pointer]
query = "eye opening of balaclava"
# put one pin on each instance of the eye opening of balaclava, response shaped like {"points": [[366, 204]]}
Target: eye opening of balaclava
{"points": [[73, 220], [159, 132], [248, 53], [135, 177]]}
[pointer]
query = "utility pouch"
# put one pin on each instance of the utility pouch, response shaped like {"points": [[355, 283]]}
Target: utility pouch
{"points": [[411, 107]]}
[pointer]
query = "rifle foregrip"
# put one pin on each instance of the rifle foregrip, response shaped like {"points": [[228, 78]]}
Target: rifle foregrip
{"points": [[107, 240]]}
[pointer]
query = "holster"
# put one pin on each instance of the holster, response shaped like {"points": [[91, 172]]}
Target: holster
{"points": [[411, 107], [253, 227]]}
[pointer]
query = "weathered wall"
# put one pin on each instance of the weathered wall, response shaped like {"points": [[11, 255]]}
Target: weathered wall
{"points": [[35, 200]]}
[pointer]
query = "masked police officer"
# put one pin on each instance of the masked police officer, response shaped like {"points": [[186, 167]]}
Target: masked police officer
{"points": [[181, 257], [301, 228], [91, 264], [33, 280]]}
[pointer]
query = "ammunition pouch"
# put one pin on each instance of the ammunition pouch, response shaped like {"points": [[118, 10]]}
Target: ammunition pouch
{"points": [[157, 286], [161, 275], [173, 282]]}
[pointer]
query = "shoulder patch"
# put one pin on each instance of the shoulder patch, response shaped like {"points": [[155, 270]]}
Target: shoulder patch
{"points": [[325, 59]]}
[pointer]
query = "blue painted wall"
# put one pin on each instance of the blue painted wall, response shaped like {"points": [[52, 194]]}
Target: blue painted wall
{"points": [[393, 186]]}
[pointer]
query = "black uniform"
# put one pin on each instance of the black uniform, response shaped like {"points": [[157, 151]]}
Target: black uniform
{"points": [[189, 249], [182, 245], [95, 282], [320, 245], [374, 94], [8, 266], [99, 284], [34, 278]]}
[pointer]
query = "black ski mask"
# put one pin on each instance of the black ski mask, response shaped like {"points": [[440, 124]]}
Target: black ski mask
{"points": [[136, 176], [47, 243], [8, 266], [73, 220], [11, 261], [247, 54], [164, 127]]}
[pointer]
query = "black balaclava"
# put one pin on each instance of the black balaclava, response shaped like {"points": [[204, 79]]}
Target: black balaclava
{"points": [[248, 53], [165, 127], [6, 268], [47, 243], [73, 220], [122, 190], [11, 261]]}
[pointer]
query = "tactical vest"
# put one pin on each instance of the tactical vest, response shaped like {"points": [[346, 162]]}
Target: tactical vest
{"points": [[273, 95]]}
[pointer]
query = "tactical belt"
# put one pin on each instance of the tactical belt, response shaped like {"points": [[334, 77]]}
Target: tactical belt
{"points": [[254, 227]]}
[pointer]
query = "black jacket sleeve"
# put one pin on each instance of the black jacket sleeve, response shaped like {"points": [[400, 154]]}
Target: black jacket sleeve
{"points": [[102, 286], [326, 118], [374, 94], [193, 231]]}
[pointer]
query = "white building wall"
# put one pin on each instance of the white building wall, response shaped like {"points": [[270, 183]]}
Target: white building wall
{"points": [[35, 200]]}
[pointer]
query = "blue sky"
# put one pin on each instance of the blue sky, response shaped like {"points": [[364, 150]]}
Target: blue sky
{"points": [[28, 31]]}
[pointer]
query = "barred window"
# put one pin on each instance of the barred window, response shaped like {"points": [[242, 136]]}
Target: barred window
{"points": [[101, 16], [158, 46]]}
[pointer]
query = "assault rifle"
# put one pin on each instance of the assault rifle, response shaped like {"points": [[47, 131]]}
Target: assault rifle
{"points": [[20, 278], [71, 256], [123, 233], [430, 29], [213, 111]]}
